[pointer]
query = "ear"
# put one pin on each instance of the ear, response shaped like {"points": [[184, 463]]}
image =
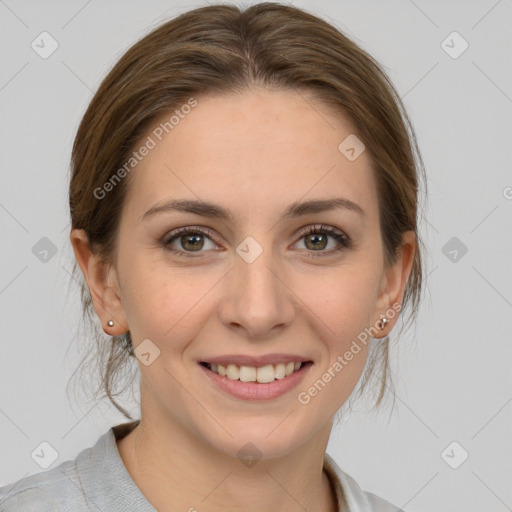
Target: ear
{"points": [[393, 282], [103, 284]]}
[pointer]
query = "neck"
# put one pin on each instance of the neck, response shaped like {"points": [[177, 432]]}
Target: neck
{"points": [[176, 471]]}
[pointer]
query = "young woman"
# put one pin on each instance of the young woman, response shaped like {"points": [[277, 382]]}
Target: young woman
{"points": [[243, 199]]}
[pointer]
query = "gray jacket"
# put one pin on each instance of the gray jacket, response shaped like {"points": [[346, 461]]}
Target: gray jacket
{"points": [[97, 480]]}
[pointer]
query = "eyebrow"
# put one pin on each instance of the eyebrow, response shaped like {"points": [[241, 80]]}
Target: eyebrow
{"points": [[214, 211]]}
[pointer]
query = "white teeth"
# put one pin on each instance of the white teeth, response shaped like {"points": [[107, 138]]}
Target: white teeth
{"points": [[280, 371], [263, 374], [233, 372], [247, 374]]}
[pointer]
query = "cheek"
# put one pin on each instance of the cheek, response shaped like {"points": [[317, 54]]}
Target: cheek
{"points": [[343, 304], [343, 300], [343, 313], [163, 302]]}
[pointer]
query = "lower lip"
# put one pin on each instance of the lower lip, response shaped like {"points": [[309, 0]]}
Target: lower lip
{"points": [[255, 390]]}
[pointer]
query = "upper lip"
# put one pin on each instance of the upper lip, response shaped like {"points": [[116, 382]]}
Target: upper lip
{"points": [[245, 360]]}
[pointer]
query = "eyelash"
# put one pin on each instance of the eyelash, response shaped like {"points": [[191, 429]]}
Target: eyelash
{"points": [[319, 229]]}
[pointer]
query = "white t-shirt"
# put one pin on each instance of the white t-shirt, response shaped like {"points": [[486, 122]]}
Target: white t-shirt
{"points": [[97, 480]]}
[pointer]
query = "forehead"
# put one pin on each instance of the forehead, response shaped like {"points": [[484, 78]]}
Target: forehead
{"points": [[250, 151]]}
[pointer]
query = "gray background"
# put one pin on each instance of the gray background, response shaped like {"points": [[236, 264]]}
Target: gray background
{"points": [[452, 372]]}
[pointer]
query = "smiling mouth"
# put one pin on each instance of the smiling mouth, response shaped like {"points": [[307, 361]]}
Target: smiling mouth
{"points": [[262, 374]]}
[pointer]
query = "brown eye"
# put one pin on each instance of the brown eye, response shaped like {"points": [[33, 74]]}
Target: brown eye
{"points": [[316, 241], [193, 242], [186, 241]]}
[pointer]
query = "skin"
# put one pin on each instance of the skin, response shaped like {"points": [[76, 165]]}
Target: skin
{"points": [[254, 153]]}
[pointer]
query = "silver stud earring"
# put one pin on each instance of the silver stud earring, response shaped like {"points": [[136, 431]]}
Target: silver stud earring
{"points": [[382, 323], [110, 323]]}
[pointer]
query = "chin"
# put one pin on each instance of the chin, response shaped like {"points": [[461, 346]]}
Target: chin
{"points": [[261, 437]]}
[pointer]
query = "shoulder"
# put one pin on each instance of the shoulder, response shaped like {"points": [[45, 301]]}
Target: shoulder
{"points": [[51, 490], [95, 480], [380, 505], [68, 486], [350, 495]]}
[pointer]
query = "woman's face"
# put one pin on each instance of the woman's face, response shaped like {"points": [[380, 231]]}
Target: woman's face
{"points": [[251, 283]]}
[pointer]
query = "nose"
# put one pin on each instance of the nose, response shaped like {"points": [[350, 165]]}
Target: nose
{"points": [[257, 300]]}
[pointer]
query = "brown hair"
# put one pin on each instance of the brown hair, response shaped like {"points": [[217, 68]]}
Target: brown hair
{"points": [[223, 48]]}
